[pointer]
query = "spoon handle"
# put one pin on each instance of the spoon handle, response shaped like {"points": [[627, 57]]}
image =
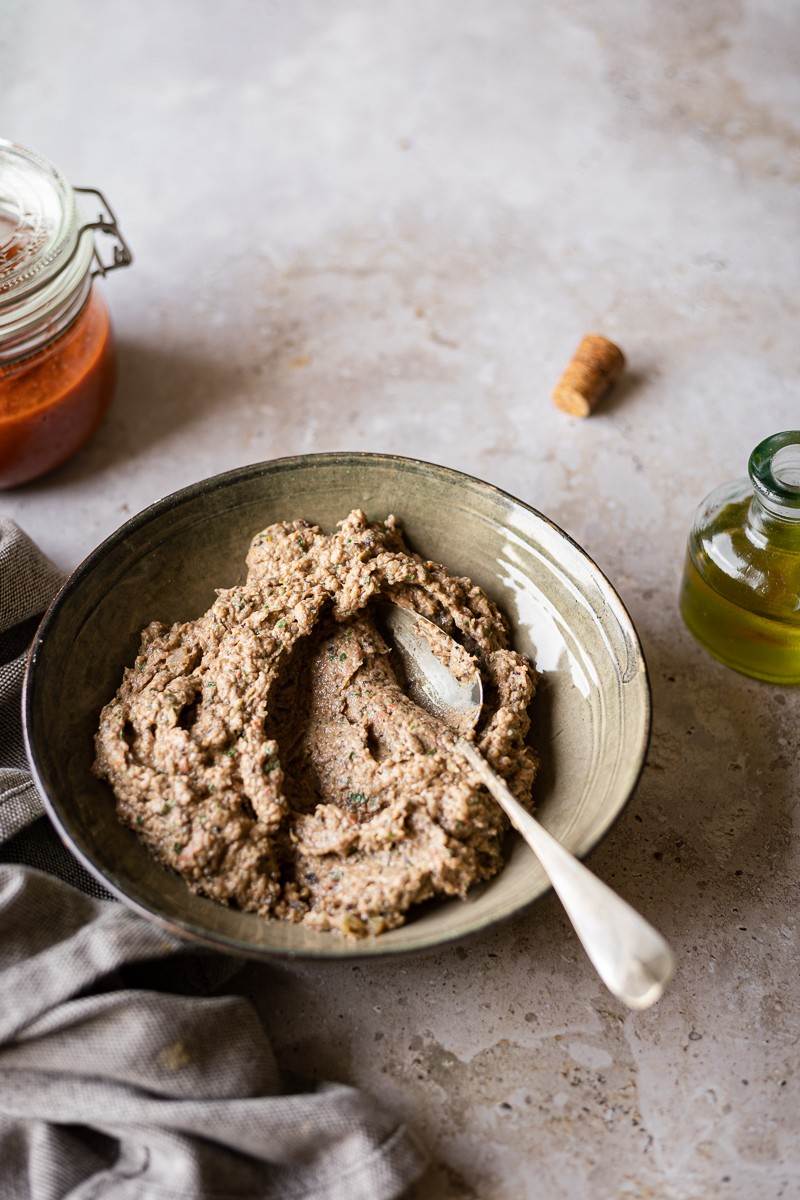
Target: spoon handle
{"points": [[631, 957]]}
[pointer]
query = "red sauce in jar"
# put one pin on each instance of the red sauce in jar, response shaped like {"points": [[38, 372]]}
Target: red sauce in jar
{"points": [[53, 401]]}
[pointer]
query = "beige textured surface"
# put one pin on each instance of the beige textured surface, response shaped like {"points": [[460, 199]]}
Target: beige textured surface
{"points": [[385, 227]]}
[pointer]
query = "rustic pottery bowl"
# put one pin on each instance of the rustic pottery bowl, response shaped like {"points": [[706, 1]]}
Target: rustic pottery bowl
{"points": [[591, 717]]}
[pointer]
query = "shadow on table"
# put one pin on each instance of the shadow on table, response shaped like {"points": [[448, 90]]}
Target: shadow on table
{"points": [[709, 826], [631, 384], [158, 392]]}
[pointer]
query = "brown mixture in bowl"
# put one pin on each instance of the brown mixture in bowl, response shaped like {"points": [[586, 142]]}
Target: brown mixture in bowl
{"points": [[267, 751]]}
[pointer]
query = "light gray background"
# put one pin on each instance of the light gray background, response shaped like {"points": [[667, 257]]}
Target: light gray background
{"points": [[384, 226]]}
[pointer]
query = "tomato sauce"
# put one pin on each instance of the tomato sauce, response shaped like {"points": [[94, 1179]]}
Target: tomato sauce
{"points": [[53, 401]]}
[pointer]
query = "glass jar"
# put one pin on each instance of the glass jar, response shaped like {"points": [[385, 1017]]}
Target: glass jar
{"points": [[741, 584], [56, 347]]}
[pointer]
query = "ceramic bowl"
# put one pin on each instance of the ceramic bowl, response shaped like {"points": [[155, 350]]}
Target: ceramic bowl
{"points": [[591, 715]]}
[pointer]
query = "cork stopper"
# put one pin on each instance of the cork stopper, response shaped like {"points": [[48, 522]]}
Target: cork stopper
{"points": [[594, 367]]}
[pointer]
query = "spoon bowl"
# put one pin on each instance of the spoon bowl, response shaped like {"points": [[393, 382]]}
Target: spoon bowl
{"points": [[454, 696]]}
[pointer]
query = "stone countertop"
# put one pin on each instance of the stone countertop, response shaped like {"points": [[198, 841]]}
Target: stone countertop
{"points": [[385, 227]]}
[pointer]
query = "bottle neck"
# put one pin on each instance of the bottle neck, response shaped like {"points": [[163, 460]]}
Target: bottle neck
{"points": [[774, 512], [765, 526], [773, 516]]}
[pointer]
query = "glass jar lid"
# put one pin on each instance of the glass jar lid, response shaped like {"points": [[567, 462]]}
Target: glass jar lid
{"points": [[48, 253], [38, 222]]}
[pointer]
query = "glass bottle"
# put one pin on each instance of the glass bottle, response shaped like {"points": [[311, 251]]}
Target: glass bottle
{"points": [[56, 345], [741, 584]]}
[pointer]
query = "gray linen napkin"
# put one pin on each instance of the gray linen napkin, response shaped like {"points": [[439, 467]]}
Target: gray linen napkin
{"points": [[122, 1073]]}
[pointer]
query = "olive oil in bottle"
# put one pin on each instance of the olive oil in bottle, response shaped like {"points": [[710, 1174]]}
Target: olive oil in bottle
{"points": [[740, 595]]}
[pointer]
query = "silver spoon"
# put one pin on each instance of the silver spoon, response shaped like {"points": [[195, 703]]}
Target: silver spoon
{"points": [[631, 957]]}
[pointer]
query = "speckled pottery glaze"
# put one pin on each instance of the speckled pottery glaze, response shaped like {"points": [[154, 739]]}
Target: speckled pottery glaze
{"points": [[591, 715]]}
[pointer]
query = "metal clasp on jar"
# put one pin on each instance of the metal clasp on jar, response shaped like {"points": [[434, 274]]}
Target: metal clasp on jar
{"points": [[106, 223]]}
